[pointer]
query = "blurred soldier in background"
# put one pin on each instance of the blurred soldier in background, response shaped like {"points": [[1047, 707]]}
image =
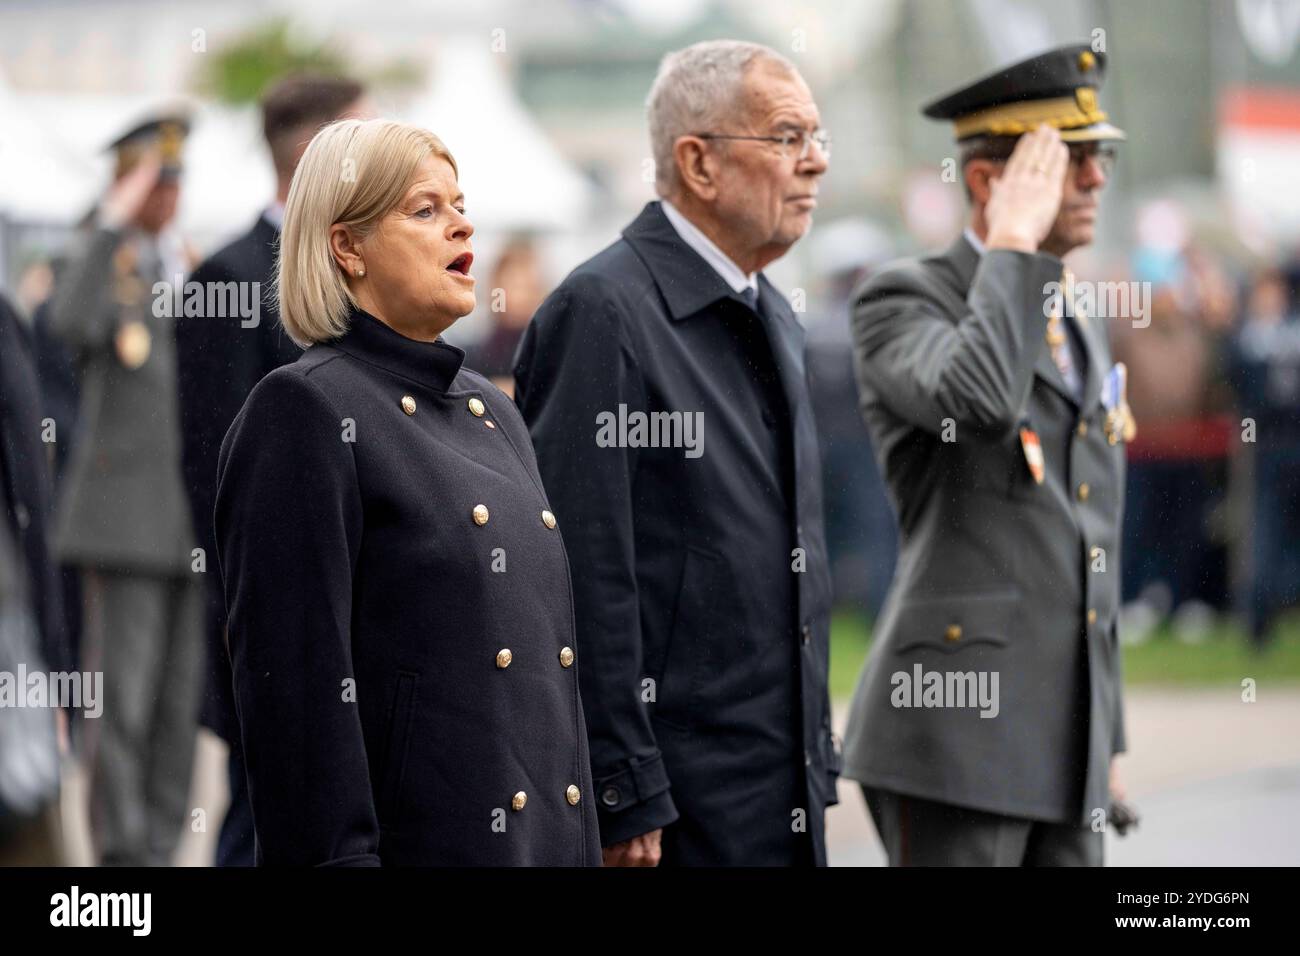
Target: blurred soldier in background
{"points": [[999, 423], [220, 357], [122, 515]]}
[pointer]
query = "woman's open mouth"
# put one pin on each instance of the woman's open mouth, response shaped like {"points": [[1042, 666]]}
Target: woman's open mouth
{"points": [[460, 265]]}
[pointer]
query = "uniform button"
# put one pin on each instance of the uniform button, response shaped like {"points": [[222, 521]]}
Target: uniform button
{"points": [[504, 657], [1082, 429], [1095, 553], [953, 633], [489, 423], [476, 407], [408, 404], [22, 516], [610, 797], [805, 634], [807, 759], [1092, 615], [566, 657], [548, 519], [480, 514], [518, 800], [573, 795], [1083, 491]]}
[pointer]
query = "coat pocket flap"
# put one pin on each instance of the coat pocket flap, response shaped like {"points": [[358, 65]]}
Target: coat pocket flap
{"points": [[955, 621]]}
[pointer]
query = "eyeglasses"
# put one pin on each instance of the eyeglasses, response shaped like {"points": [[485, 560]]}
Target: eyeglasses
{"points": [[1103, 155], [787, 141]]}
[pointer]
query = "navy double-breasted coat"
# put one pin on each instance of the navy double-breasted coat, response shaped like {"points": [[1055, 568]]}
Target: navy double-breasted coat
{"points": [[400, 620]]}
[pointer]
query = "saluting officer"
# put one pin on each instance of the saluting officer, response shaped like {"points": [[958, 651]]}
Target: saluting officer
{"points": [[985, 722], [122, 517]]}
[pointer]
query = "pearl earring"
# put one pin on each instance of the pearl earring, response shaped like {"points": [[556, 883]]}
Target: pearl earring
{"points": [[361, 271]]}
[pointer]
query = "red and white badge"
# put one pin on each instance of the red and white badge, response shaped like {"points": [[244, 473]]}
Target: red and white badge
{"points": [[1033, 452]]}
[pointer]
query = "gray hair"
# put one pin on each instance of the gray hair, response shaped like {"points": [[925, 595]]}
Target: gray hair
{"points": [[695, 90]]}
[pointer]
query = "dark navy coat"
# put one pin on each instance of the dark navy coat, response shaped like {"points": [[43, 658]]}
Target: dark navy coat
{"points": [[399, 616], [218, 361], [701, 583], [25, 485]]}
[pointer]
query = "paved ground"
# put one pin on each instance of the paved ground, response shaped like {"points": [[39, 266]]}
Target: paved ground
{"points": [[1217, 782]]}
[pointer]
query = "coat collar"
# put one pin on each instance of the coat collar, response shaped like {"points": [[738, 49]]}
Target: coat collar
{"points": [[430, 364], [964, 259], [688, 283]]}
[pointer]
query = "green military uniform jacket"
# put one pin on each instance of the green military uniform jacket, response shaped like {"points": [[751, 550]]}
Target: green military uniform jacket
{"points": [[122, 504], [997, 573]]}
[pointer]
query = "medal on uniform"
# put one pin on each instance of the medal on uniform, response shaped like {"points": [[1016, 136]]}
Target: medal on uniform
{"points": [[133, 342], [1033, 450], [1120, 425]]}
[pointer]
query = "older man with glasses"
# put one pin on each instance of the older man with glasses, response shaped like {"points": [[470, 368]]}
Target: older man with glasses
{"points": [[663, 384]]}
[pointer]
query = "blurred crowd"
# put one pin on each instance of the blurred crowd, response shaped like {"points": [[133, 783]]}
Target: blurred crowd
{"points": [[1212, 517]]}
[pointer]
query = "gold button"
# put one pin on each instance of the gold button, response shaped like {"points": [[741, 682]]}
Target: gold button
{"points": [[953, 633], [548, 519], [408, 404], [573, 795], [1095, 553], [480, 513], [566, 657], [504, 657], [1082, 429], [476, 406], [1083, 491], [1092, 615], [518, 800]]}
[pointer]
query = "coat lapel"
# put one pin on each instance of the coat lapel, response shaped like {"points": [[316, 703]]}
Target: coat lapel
{"points": [[786, 337], [1092, 378]]}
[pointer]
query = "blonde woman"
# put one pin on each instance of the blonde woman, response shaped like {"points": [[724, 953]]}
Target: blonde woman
{"points": [[401, 628]]}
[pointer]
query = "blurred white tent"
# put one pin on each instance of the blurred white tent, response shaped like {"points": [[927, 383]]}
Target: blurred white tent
{"points": [[227, 177], [513, 176], [44, 180], [54, 163]]}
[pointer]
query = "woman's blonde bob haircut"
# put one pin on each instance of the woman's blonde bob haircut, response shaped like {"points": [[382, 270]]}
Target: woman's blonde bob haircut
{"points": [[354, 172]]}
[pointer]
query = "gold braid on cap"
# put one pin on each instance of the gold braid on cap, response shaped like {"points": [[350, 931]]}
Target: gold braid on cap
{"points": [[1013, 119]]}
